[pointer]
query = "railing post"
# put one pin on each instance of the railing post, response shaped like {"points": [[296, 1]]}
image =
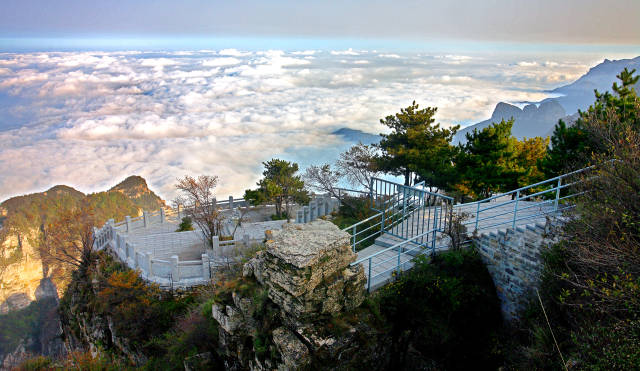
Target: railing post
{"points": [[216, 243], [369, 278], [435, 227], [313, 210], [515, 210], [230, 202], [555, 207], [179, 213], [245, 240], [477, 215], [144, 218], [299, 216], [353, 235], [128, 221], [162, 215], [175, 268]]}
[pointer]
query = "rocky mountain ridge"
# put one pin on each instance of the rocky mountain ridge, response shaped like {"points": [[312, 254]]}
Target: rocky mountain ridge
{"points": [[539, 119], [21, 268]]}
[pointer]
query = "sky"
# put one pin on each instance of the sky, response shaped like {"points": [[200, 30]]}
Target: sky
{"points": [[92, 92], [540, 21]]}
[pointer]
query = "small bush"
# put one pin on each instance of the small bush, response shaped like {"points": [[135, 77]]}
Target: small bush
{"points": [[185, 225], [447, 310], [283, 216]]}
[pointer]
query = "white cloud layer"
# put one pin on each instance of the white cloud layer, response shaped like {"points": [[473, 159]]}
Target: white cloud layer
{"points": [[89, 119]]}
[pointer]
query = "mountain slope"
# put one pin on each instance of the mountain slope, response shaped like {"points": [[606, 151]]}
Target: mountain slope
{"points": [[529, 122], [136, 189], [579, 94], [21, 268], [356, 136], [539, 120]]}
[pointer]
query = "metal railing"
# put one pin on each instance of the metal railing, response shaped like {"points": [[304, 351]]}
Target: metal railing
{"points": [[526, 203], [418, 209], [402, 255], [391, 215]]}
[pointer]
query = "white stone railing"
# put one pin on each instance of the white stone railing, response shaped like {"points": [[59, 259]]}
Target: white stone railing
{"points": [[157, 255], [319, 206]]}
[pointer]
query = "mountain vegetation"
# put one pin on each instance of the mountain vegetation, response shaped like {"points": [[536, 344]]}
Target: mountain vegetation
{"points": [[135, 188], [280, 185], [591, 282]]}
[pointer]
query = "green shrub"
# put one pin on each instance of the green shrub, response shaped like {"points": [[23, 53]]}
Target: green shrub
{"points": [[446, 308], [283, 216], [185, 225]]}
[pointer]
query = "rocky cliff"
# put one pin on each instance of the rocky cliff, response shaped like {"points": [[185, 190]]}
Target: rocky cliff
{"points": [[302, 312], [21, 217], [136, 189], [530, 121]]}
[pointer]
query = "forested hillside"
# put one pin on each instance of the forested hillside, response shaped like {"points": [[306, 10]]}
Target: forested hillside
{"points": [[25, 222]]}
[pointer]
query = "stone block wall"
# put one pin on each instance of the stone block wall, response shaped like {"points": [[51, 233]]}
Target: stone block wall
{"points": [[513, 258]]}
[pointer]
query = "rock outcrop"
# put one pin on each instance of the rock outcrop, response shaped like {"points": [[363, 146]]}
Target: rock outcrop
{"points": [[303, 283]]}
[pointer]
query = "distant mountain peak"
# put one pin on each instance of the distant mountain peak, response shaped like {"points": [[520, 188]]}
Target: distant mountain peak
{"points": [[539, 120], [356, 136], [135, 187], [63, 189]]}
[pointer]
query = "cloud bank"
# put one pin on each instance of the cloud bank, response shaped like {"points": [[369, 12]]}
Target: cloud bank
{"points": [[91, 119]]}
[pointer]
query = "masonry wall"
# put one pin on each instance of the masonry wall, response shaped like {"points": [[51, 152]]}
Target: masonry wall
{"points": [[513, 258]]}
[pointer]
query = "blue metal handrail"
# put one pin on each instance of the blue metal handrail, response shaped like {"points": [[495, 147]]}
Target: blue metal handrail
{"points": [[353, 228], [518, 196], [399, 247]]}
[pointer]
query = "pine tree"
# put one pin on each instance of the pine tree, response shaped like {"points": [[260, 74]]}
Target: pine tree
{"points": [[486, 162], [415, 145]]}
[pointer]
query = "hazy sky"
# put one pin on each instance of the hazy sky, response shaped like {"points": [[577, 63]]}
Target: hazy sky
{"points": [[539, 21]]}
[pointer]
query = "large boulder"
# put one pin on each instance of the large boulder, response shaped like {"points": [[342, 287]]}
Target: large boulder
{"points": [[306, 268]]}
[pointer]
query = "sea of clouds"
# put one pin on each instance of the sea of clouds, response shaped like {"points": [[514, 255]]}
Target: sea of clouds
{"points": [[89, 119]]}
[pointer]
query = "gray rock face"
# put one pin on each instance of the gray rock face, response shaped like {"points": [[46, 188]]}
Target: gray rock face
{"points": [[14, 302], [306, 269], [46, 290], [305, 274], [529, 122]]}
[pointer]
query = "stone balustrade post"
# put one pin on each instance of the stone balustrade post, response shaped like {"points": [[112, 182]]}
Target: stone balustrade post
{"points": [[175, 269], [137, 261], [145, 219], [216, 243], [206, 267], [299, 216], [230, 202], [147, 263], [321, 208], [111, 222], [127, 220], [163, 216], [305, 209], [313, 211]]}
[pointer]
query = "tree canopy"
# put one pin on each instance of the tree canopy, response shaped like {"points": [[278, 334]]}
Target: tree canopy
{"points": [[280, 184], [485, 162], [416, 145]]}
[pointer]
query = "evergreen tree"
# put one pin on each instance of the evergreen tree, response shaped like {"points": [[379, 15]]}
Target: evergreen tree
{"points": [[486, 162], [415, 145], [569, 149], [528, 152], [574, 147], [279, 184]]}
